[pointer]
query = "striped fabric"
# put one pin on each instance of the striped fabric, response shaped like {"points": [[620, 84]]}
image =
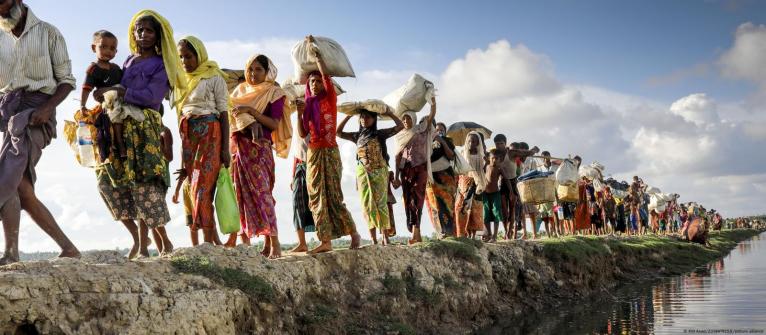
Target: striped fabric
{"points": [[36, 61]]}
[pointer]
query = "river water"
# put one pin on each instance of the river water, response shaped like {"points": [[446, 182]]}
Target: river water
{"points": [[724, 297]]}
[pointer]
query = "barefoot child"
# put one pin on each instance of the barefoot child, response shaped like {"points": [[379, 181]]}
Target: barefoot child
{"points": [[302, 218], [102, 74], [493, 209], [372, 168]]}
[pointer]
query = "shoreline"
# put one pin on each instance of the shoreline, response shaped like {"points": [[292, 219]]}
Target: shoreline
{"points": [[448, 286]]}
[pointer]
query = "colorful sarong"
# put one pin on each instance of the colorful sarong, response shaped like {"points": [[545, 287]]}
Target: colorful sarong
{"points": [[441, 201], [252, 170], [201, 150], [469, 210], [373, 188], [332, 218]]}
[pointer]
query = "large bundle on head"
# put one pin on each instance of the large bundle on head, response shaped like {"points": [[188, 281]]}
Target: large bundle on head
{"points": [[615, 185], [652, 190], [373, 105], [413, 96], [566, 174], [304, 58]]}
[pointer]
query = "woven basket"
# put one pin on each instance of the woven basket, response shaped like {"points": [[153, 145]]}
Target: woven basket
{"points": [[568, 193], [537, 191]]}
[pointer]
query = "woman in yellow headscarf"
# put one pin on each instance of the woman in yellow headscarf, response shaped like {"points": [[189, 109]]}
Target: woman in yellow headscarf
{"points": [[260, 119], [203, 109], [134, 186]]}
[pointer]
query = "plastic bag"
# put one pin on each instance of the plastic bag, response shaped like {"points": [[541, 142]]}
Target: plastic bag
{"points": [[226, 203], [413, 96], [566, 174], [304, 58]]}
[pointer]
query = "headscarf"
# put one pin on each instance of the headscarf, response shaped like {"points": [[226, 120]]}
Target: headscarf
{"points": [[259, 96], [404, 137], [207, 69], [476, 161], [167, 44], [370, 133], [313, 110]]}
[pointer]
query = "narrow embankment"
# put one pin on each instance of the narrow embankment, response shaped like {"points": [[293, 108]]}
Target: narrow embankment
{"points": [[439, 287]]}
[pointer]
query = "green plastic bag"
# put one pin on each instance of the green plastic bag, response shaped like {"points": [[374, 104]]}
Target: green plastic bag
{"points": [[226, 203]]}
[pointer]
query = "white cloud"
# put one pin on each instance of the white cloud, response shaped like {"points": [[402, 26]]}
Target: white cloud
{"points": [[746, 58], [696, 108]]}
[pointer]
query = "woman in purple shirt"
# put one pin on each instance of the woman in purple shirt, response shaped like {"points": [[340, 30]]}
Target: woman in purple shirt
{"points": [[134, 187]]}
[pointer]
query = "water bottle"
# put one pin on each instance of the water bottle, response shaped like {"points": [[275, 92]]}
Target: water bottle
{"points": [[85, 146]]}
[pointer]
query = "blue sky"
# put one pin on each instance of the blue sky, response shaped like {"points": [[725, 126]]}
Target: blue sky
{"points": [[673, 91], [616, 44]]}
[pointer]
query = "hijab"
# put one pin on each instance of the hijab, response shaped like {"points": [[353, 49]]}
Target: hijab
{"points": [[206, 69], [169, 53], [476, 161], [404, 137], [259, 96]]}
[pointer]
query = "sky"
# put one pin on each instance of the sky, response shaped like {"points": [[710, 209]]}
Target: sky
{"points": [[673, 91]]}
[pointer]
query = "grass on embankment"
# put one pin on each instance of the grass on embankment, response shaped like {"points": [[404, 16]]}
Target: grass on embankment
{"points": [[251, 285], [651, 251]]}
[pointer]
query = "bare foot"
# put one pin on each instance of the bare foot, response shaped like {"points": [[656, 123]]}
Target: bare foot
{"points": [[8, 260], [323, 247], [266, 250], [300, 248], [70, 253], [275, 253], [411, 241], [356, 240], [133, 251], [231, 242]]}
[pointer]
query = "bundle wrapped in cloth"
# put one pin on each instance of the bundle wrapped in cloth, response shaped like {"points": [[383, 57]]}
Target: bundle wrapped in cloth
{"points": [[372, 105], [304, 58], [413, 96], [594, 171]]}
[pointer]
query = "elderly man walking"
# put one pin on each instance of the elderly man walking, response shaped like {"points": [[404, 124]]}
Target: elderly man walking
{"points": [[35, 77]]}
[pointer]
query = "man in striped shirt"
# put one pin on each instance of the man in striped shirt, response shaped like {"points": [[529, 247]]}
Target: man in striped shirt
{"points": [[35, 77]]}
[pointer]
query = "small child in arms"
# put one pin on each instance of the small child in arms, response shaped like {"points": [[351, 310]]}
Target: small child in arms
{"points": [[103, 74]]}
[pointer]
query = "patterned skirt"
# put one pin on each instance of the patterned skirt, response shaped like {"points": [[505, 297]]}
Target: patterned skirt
{"points": [[332, 218], [373, 188], [252, 170], [469, 210], [134, 188], [441, 201], [201, 149]]}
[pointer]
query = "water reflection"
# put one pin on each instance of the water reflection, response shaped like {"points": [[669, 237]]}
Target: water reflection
{"points": [[728, 294]]}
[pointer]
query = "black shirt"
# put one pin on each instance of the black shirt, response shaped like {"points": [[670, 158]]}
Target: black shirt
{"points": [[97, 77]]}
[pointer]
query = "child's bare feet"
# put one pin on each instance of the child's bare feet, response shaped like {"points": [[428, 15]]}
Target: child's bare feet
{"points": [[325, 246], [300, 248], [232, 241]]}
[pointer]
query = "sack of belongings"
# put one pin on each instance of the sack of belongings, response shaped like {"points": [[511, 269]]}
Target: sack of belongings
{"points": [[537, 189], [413, 96], [304, 58], [566, 174]]}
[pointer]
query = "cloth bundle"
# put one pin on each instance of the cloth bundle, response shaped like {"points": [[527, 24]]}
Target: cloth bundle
{"points": [[304, 58]]}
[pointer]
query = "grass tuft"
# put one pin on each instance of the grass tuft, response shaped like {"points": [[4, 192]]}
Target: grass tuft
{"points": [[251, 285], [454, 247]]}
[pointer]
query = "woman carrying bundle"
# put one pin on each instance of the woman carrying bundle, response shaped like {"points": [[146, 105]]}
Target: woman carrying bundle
{"points": [[372, 168], [318, 117], [469, 208], [260, 121], [413, 166], [203, 107]]}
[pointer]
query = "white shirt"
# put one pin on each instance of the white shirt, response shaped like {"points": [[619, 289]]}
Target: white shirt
{"points": [[35, 61], [211, 96]]}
